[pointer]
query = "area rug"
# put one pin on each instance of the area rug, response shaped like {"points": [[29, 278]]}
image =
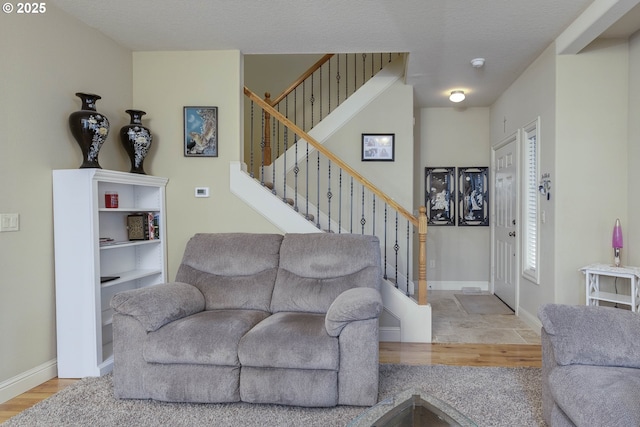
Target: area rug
{"points": [[483, 304], [490, 396]]}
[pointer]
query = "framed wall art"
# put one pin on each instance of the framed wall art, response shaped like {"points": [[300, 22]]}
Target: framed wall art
{"points": [[473, 196], [439, 184], [378, 147], [201, 131]]}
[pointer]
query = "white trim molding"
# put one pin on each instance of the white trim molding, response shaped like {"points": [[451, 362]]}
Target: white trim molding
{"points": [[530, 319], [28, 380], [435, 285], [389, 334]]}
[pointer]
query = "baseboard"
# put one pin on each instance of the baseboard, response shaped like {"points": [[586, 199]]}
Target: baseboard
{"points": [[532, 321], [389, 334], [456, 285], [28, 380]]}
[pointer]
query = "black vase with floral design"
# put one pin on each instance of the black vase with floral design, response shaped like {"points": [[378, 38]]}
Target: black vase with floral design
{"points": [[89, 128], [136, 140]]}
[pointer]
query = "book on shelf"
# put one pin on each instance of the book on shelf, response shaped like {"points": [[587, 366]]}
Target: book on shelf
{"points": [[156, 224], [153, 232], [143, 226]]}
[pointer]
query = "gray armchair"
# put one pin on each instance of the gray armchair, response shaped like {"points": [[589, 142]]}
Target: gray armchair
{"points": [[259, 318], [590, 366]]}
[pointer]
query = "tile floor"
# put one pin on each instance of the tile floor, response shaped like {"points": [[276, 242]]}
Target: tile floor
{"points": [[451, 324]]}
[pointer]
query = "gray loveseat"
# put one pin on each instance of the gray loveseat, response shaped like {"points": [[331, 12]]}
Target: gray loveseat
{"points": [[260, 318], [590, 366]]}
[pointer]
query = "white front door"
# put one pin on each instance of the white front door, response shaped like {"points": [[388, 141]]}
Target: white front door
{"points": [[505, 257]]}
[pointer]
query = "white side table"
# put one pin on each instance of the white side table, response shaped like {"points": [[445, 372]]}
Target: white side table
{"points": [[592, 279]]}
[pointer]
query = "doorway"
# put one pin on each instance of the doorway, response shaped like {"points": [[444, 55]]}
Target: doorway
{"points": [[504, 240]]}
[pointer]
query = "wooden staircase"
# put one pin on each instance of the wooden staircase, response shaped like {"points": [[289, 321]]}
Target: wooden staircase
{"points": [[289, 201], [265, 187]]}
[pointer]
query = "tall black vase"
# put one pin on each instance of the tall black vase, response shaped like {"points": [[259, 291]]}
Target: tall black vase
{"points": [[89, 128], [136, 140]]}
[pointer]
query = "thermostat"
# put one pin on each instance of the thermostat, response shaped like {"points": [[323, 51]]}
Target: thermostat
{"points": [[202, 191]]}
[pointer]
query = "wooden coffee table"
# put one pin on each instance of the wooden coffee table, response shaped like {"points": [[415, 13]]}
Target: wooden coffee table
{"points": [[412, 408]]}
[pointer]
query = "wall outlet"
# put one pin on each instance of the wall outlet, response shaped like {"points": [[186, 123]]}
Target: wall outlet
{"points": [[9, 222]]}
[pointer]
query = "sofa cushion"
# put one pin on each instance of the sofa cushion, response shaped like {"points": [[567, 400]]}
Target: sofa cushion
{"points": [[310, 295], [300, 387], [190, 383], [247, 292], [315, 268], [290, 340], [206, 338], [232, 270], [584, 335], [597, 395]]}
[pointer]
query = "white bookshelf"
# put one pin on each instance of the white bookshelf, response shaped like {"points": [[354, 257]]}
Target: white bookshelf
{"points": [[83, 314]]}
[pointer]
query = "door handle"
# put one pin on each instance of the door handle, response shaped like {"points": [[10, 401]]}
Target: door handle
{"points": [[512, 234]]}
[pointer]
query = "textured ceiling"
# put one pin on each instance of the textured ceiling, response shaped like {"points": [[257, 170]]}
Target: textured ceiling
{"points": [[442, 36]]}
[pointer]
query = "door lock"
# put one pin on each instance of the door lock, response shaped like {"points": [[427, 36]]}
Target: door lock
{"points": [[512, 234]]}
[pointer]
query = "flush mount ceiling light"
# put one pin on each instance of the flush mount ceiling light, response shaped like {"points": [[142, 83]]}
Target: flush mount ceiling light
{"points": [[477, 62], [456, 96]]}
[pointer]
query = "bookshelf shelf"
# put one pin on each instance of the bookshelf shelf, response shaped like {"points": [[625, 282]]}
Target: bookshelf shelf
{"points": [[127, 243]]}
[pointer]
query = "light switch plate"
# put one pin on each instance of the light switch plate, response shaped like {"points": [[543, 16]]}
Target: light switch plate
{"points": [[9, 222]]}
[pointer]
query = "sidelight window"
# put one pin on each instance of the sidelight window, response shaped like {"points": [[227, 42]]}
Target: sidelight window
{"points": [[530, 201]]}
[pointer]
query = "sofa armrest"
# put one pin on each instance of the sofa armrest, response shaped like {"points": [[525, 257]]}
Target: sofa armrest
{"points": [[351, 305], [592, 335], [155, 306]]}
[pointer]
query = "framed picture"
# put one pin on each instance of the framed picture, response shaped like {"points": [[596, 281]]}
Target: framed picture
{"points": [[440, 195], [378, 147], [201, 131], [473, 196]]}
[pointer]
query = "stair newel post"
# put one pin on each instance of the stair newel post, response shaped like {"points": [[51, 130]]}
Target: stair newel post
{"points": [[267, 133], [408, 261], [422, 256]]}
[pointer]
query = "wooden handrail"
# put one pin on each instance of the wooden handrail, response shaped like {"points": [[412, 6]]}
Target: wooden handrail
{"points": [[321, 148], [302, 78]]}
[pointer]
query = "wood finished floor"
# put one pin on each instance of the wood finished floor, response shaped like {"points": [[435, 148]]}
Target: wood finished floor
{"points": [[506, 355]]}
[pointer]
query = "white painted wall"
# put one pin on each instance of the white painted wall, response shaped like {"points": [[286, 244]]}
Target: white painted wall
{"points": [[631, 228], [591, 161], [274, 73], [394, 178], [454, 137], [46, 59], [530, 96], [582, 103], [165, 82]]}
